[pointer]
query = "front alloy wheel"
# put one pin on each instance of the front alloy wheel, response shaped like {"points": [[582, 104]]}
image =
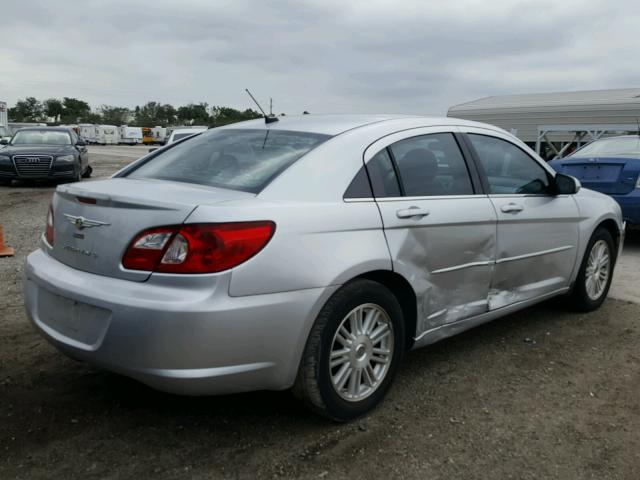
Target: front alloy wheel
{"points": [[598, 270], [595, 274]]}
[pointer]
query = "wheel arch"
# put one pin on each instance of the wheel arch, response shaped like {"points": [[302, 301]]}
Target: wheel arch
{"points": [[403, 291], [612, 227]]}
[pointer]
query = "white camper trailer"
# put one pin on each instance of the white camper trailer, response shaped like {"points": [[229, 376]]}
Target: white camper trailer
{"points": [[5, 133], [88, 132], [107, 135], [130, 135]]}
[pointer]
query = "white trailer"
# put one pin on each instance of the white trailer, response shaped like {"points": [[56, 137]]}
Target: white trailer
{"points": [[107, 135], [88, 132], [159, 135], [130, 135], [5, 133]]}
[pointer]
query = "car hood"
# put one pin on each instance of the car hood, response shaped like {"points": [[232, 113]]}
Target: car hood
{"points": [[38, 150]]}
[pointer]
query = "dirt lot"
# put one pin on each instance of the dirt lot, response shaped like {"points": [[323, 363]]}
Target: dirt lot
{"points": [[540, 394]]}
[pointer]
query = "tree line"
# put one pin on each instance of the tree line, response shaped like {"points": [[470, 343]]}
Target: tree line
{"points": [[72, 111]]}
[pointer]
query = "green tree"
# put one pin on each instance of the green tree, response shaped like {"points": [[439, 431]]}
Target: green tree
{"points": [[27, 110], [194, 114], [115, 115], [53, 108], [74, 110], [226, 115]]}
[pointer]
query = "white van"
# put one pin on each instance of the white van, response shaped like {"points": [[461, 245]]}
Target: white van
{"points": [[130, 135], [107, 135], [159, 135]]}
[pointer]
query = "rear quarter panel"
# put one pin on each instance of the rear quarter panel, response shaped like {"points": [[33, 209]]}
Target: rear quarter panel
{"points": [[315, 244]]}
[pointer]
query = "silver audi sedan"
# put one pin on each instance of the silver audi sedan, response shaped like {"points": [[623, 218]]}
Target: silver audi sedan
{"points": [[311, 253]]}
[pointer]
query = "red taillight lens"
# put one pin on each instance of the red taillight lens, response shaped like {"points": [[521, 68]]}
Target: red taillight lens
{"points": [[48, 231], [197, 248]]}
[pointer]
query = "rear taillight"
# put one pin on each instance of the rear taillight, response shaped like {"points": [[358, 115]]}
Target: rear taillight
{"points": [[48, 231], [197, 248]]}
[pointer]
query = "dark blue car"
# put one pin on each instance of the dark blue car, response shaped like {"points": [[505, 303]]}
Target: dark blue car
{"points": [[611, 166]]}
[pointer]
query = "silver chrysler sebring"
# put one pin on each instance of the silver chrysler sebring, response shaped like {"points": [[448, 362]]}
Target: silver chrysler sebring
{"points": [[311, 253]]}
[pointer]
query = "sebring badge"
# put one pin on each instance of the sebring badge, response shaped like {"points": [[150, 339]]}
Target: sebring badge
{"points": [[81, 222]]}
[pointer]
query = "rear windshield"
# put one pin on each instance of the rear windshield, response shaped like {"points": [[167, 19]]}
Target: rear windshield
{"points": [[611, 147], [179, 136], [244, 160]]}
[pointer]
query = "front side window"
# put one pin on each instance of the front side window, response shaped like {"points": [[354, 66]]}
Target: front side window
{"points": [[432, 165], [508, 168], [239, 159]]}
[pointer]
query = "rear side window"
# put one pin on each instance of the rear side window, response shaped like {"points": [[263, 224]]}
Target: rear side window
{"points": [[508, 168], [432, 165], [244, 160], [383, 176]]}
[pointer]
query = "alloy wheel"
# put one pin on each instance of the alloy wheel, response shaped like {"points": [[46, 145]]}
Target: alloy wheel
{"points": [[361, 352]]}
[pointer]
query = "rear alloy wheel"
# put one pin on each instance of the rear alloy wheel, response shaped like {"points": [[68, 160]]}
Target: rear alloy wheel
{"points": [[596, 272], [352, 352]]}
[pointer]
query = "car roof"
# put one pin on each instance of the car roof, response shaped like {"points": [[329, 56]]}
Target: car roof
{"points": [[334, 124], [44, 129]]}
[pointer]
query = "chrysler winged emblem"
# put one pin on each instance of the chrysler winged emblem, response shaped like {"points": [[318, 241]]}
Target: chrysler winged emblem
{"points": [[81, 222]]}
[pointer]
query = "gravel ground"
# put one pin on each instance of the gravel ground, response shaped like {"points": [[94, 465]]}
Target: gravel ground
{"points": [[541, 394]]}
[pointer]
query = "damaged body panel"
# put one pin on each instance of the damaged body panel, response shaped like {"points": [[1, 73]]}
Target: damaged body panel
{"points": [[447, 256]]}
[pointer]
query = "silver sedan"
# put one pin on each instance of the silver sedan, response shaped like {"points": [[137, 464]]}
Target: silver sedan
{"points": [[311, 253]]}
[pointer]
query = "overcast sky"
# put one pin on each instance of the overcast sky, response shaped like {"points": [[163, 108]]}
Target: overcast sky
{"points": [[401, 56]]}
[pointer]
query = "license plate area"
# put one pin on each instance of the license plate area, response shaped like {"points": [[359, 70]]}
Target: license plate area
{"points": [[73, 322]]}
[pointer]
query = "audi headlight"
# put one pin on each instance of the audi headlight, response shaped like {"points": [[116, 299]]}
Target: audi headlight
{"points": [[5, 159], [66, 158]]}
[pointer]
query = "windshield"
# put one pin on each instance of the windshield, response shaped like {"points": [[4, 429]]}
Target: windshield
{"points": [[237, 159], [41, 137], [611, 147]]}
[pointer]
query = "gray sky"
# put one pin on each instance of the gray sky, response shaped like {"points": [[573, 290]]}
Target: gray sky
{"points": [[324, 56]]}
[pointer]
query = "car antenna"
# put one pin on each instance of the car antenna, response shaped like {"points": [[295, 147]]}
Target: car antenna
{"points": [[267, 118]]}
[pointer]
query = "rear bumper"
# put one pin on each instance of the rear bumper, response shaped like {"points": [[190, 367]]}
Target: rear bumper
{"points": [[193, 339], [630, 205]]}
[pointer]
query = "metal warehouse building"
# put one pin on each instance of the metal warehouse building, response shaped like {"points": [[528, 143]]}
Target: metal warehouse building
{"points": [[553, 123]]}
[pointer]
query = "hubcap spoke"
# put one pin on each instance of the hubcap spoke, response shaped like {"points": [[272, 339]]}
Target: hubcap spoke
{"points": [[598, 270], [361, 352]]}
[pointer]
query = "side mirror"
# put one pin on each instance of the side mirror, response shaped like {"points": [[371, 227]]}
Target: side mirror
{"points": [[566, 184], [81, 143], [4, 141], [153, 149]]}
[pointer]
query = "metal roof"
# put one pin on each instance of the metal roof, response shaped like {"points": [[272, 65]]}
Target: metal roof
{"points": [[555, 99]]}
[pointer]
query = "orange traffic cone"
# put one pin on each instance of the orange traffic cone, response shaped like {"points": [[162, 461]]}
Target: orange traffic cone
{"points": [[4, 250]]}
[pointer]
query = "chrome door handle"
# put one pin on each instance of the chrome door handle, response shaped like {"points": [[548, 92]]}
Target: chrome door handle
{"points": [[412, 212], [511, 208]]}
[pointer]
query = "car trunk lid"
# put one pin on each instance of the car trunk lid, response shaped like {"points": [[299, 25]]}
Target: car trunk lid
{"points": [[605, 175], [95, 221]]}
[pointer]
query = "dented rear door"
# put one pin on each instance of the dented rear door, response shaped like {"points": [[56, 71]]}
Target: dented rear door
{"points": [[440, 229]]}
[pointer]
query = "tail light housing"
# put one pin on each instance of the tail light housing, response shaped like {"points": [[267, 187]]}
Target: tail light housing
{"points": [[197, 248], [48, 231]]}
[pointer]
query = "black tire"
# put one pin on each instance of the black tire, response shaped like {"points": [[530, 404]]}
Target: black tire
{"points": [[87, 173], [579, 298], [313, 384]]}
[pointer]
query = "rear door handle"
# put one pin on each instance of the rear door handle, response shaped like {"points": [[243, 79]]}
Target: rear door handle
{"points": [[511, 208], [412, 212]]}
